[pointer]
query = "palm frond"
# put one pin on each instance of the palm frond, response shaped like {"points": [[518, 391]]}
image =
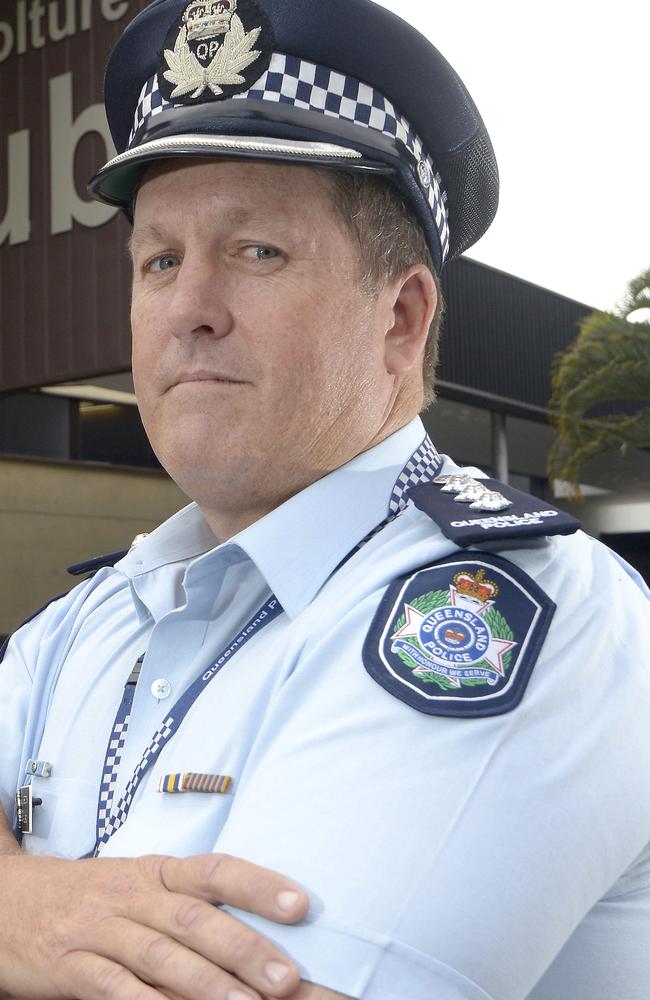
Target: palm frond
{"points": [[637, 295], [608, 364]]}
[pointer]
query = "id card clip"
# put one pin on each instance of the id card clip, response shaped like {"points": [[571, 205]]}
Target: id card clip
{"points": [[38, 768]]}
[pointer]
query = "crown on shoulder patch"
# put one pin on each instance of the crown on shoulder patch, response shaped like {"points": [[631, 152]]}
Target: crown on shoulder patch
{"points": [[476, 586]]}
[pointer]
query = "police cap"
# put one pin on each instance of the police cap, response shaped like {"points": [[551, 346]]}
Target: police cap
{"points": [[343, 84]]}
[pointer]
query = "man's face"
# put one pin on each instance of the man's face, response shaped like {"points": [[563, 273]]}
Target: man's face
{"points": [[257, 358]]}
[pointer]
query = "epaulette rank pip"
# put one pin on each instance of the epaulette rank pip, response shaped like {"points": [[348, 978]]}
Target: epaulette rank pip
{"points": [[473, 511]]}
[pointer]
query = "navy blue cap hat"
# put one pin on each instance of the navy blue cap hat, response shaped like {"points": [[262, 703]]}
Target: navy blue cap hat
{"points": [[337, 83]]}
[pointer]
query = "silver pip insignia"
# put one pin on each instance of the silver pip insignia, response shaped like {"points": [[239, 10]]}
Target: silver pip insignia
{"points": [[472, 491], [492, 502]]}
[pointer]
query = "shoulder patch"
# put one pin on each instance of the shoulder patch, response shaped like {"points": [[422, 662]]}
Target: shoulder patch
{"points": [[459, 638], [471, 511]]}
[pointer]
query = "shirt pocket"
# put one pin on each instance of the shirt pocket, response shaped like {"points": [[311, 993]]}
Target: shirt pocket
{"points": [[64, 823]]}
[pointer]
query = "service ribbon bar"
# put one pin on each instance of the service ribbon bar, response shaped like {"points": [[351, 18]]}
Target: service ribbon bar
{"points": [[191, 781]]}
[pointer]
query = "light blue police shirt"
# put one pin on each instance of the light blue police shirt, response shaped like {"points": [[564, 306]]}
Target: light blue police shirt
{"points": [[487, 858]]}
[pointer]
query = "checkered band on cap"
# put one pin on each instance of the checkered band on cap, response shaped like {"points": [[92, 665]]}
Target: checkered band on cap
{"points": [[306, 85]]}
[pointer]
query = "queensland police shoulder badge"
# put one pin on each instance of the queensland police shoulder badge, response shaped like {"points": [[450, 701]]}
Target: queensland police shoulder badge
{"points": [[459, 638], [219, 48]]}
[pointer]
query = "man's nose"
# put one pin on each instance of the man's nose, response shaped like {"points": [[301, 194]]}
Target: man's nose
{"points": [[198, 306]]}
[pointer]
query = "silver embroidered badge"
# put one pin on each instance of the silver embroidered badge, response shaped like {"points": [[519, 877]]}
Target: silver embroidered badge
{"points": [[204, 24], [492, 502], [474, 492], [456, 483]]}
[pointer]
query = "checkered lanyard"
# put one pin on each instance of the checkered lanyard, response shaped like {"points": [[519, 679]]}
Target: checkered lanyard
{"points": [[109, 820], [423, 466]]}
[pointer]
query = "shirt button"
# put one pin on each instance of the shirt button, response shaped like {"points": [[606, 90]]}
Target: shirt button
{"points": [[161, 689]]}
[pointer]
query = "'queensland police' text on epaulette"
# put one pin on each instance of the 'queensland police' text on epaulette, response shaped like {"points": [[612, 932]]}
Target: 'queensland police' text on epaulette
{"points": [[472, 511]]}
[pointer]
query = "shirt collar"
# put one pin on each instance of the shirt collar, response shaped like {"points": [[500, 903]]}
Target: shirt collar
{"points": [[180, 538], [297, 546]]}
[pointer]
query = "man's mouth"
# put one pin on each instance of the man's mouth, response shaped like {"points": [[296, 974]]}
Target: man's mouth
{"points": [[204, 375]]}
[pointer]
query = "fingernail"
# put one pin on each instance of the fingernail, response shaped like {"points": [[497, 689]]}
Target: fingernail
{"points": [[287, 899], [277, 972]]}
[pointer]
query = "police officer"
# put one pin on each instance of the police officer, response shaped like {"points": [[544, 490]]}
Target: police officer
{"points": [[417, 691]]}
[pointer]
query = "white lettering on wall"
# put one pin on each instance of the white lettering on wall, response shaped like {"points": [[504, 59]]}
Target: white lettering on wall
{"points": [[36, 23], [6, 40], [16, 224], [65, 135], [57, 30], [36, 15], [86, 15], [113, 10]]}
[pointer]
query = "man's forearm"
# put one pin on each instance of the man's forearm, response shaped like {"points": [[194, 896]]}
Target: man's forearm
{"points": [[8, 843]]}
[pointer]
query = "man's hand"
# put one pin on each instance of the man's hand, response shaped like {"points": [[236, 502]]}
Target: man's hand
{"points": [[141, 929]]}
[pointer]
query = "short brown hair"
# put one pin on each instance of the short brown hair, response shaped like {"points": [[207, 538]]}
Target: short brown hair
{"points": [[390, 241]]}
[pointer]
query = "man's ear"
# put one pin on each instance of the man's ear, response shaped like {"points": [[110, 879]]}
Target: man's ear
{"points": [[415, 298]]}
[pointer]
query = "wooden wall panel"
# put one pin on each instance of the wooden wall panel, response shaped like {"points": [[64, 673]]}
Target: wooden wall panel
{"points": [[64, 297]]}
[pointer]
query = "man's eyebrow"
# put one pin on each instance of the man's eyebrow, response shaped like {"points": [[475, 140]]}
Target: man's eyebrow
{"points": [[148, 233], [233, 216]]}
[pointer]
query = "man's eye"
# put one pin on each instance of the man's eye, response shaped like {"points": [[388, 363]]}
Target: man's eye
{"points": [[163, 263], [260, 252]]}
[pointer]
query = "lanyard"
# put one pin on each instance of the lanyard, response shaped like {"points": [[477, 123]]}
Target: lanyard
{"points": [[423, 466], [110, 819], [114, 752]]}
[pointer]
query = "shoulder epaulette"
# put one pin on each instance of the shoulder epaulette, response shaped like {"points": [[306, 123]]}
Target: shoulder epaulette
{"points": [[99, 562], [472, 511], [79, 569], [5, 643]]}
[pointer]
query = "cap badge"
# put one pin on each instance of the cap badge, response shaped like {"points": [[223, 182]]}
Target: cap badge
{"points": [[209, 52]]}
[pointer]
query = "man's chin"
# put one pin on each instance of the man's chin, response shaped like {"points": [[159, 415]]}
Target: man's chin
{"points": [[204, 465]]}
